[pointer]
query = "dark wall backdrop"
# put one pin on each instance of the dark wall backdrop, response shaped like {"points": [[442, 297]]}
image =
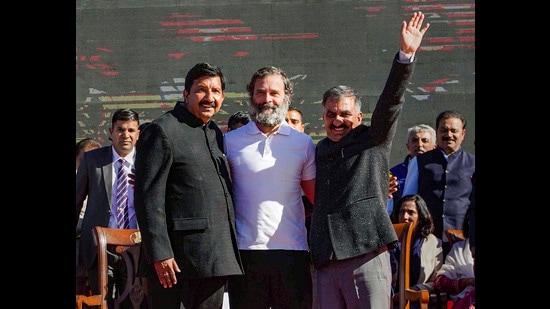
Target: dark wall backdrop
{"points": [[135, 54]]}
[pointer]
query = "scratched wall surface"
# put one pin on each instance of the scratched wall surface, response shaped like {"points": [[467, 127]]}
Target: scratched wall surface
{"points": [[135, 54]]}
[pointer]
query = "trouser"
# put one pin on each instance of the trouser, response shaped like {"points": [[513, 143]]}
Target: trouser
{"points": [[116, 279], [81, 274], [446, 246], [200, 293], [273, 278], [362, 282]]}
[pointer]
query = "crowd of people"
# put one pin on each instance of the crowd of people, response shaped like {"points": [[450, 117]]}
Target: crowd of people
{"points": [[264, 213], [443, 177]]}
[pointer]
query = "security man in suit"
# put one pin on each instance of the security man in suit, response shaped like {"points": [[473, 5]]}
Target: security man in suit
{"points": [[96, 180]]}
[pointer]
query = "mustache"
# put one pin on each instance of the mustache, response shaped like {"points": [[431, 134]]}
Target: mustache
{"points": [[266, 104], [343, 125], [268, 113], [448, 138], [212, 104]]}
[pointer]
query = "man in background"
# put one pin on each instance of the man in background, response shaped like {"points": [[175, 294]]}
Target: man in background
{"points": [[420, 138], [295, 118], [97, 181], [237, 120], [443, 176]]}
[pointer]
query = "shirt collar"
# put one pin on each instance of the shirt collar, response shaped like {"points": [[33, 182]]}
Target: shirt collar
{"points": [[129, 158]]}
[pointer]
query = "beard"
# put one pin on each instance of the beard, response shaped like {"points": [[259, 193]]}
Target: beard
{"points": [[266, 117]]}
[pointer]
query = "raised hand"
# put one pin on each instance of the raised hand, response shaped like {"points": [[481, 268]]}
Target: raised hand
{"points": [[412, 33]]}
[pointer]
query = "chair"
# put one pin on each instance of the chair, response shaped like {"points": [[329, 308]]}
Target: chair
{"points": [[406, 295], [454, 236], [436, 299], [127, 243]]}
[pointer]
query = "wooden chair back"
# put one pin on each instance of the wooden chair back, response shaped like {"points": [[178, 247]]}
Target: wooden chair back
{"points": [[404, 233], [127, 243], [454, 236], [404, 236]]}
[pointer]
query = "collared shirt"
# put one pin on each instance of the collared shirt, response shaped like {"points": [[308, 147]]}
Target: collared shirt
{"points": [[267, 172], [131, 212]]}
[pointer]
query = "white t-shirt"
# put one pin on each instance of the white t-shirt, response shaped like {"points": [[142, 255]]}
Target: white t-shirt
{"points": [[266, 173]]}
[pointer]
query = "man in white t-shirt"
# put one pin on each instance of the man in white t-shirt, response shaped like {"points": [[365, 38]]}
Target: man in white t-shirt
{"points": [[271, 163]]}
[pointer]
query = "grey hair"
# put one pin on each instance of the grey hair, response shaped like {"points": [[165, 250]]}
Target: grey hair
{"points": [[419, 128], [340, 92]]}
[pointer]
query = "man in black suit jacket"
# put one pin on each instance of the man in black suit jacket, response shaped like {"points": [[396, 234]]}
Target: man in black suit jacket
{"points": [[350, 228], [184, 202], [95, 180]]}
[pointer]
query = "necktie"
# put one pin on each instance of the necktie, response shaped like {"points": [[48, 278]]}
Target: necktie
{"points": [[122, 196]]}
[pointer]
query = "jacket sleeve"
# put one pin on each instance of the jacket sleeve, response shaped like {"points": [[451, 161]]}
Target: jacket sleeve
{"points": [[153, 161]]}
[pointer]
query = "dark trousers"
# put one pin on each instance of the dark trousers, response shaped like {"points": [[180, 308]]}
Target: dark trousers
{"points": [[446, 246], [280, 279], [81, 275], [116, 279], [201, 293]]}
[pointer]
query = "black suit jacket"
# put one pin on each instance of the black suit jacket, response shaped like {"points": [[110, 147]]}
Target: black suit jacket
{"points": [[349, 214], [183, 197], [93, 180]]}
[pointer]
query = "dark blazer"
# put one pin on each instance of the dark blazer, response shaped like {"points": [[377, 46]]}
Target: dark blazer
{"points": [[94, 180], [182, 197], [349, 214]]}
